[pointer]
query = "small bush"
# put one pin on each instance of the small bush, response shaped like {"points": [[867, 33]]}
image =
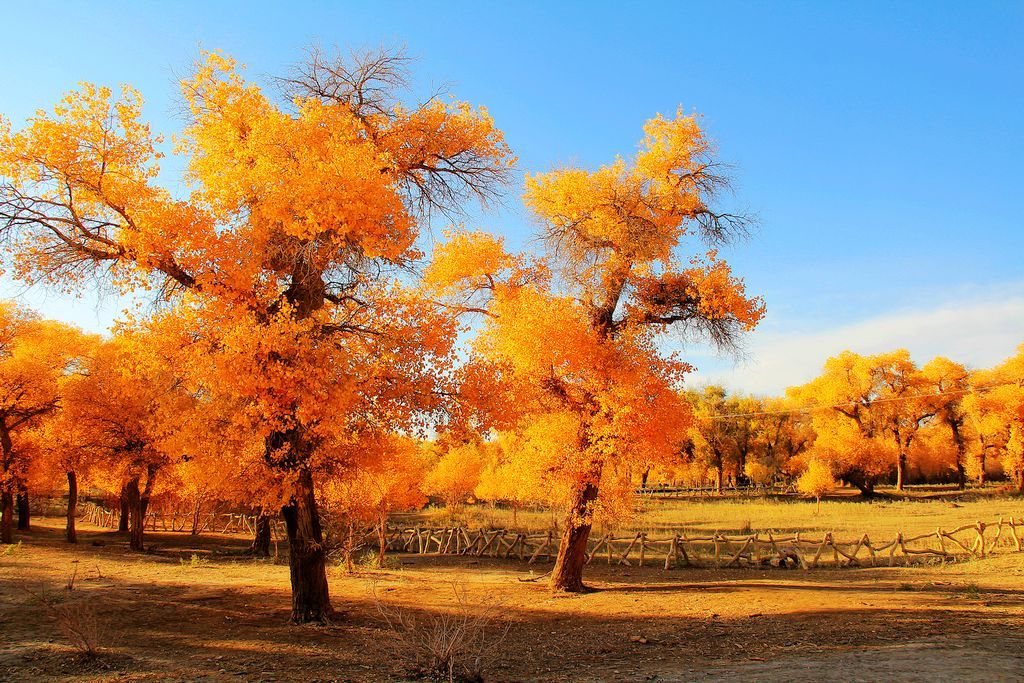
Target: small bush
{"points": [[12, 548], [456, 646], [78, 622], [195, 562]]}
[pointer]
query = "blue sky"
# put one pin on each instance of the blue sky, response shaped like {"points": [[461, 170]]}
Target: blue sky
{"points": [[878, 143]]}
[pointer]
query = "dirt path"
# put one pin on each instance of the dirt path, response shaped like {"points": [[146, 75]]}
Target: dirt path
{"points": [[947, 659], [222, 617]]}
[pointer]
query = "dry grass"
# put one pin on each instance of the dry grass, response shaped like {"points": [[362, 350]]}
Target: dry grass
{"points": [[918, 511]]}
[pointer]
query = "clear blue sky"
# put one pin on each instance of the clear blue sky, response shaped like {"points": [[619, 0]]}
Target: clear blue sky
{"points": [[879, 143]]}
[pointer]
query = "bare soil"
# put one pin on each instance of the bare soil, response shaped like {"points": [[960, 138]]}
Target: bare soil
{"points": [[223, 617]]}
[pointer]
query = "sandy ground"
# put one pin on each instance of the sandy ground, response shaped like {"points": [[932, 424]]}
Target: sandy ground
{"points": [[223, 618]]}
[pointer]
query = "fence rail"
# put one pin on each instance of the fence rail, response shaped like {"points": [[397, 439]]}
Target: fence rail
{"points": [[208, 522], [762, 549]]}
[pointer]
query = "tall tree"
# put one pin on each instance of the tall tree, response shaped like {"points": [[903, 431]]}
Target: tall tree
{"points": [[579, 333], [36, 356], [951, 381], [281, 251]]}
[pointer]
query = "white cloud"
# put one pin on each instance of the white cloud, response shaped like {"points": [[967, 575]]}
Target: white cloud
{"points": [[978, 331]]}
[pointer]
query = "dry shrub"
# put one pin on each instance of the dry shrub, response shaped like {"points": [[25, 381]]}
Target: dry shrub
{"points": [[456, 646], [81, 626], [77, 621]]}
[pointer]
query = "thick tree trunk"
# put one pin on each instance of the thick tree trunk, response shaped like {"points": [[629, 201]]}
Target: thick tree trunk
{"points": [[72, 535], [306, 554], [643, 478], [261, 539], [24, 513], [981, 467], [719, 476], [572, 550], [901, 467], [122, 524], [6, 517], [136, 515]]}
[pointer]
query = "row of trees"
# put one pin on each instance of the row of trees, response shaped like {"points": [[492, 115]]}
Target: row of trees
{"points": [[296, 352], [871, 419], [866, 419]]}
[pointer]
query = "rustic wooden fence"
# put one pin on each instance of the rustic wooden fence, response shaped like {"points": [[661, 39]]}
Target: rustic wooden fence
{"points": [[762, 549], [209, 522]]}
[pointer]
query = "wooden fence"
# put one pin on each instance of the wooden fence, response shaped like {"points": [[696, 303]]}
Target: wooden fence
{"points": [[762, 549], [209, 522]]}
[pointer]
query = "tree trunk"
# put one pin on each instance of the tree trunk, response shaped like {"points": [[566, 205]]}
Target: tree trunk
{"points": [[382, 540], [71, 533], [136, 515], [195, 516], [901, 467], [572, 550], [6, 517], [306, 554], [261, 539], [147, 493], [981, 470], [643, 478], [122, 524], [719, 475], [24, 514]]}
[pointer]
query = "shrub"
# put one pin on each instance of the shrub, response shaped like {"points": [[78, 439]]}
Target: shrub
{"points": [[454, 646]]}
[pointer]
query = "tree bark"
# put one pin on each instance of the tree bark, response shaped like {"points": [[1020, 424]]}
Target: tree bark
{"points": [[261, 539], [307, 558], [195, 516], [122, 524], [567, 574], [72, 535], [6, 517], [901, 467], [382, 541], [24, 513], [136, 515]]}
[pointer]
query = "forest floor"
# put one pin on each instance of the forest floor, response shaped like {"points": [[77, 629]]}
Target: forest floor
{"points": [[194, 608]]}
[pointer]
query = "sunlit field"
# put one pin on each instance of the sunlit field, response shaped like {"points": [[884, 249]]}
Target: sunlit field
{"points": [[918, 510]]}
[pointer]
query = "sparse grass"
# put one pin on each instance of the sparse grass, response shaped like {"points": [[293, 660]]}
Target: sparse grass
{"points": [[12, 548], [970, 591], [195, 562]]}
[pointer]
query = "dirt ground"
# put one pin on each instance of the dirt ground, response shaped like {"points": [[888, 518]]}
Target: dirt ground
{"points": [[222, 617]]}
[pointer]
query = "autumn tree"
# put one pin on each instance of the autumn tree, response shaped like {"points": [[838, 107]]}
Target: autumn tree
{"points": [[816, 481], [283, 250], [712, 439], [36, 357], [387, 477], [950, 382], [869, 409], [130, 406], [577, 334], [455, 473], [995, 407]]}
